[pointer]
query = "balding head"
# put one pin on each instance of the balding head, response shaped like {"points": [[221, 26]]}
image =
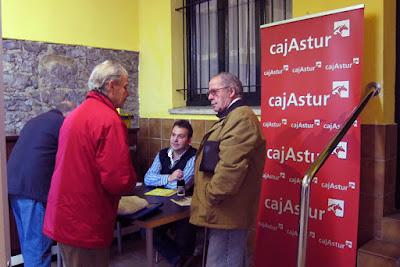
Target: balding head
{"points": [[66, 107]]}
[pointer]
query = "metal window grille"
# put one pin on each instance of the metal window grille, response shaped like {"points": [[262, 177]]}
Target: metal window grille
{"points": [[224, 35]]}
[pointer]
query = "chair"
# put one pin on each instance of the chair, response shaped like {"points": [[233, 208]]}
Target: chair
{"points": [[123, 227], [59, 260]]}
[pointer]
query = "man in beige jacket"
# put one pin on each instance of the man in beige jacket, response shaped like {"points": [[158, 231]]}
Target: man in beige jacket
{"points": [[227, 189]]}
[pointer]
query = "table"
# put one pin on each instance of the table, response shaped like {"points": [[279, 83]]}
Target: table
{"points": [[169, 212]]}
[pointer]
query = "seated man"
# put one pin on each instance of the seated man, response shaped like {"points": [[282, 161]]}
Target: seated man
{"points": [[170, 165]]}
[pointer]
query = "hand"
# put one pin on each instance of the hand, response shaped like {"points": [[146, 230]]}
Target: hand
{"points": [[176, 175]]}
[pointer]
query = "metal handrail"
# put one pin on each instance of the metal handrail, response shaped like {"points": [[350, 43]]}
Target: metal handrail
{"points": [[373, 89]]}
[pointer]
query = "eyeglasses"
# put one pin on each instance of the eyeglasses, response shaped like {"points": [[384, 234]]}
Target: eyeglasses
{"points": [[213, 92]]}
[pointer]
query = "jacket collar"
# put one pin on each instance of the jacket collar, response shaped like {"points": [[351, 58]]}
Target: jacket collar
{"points": [[56, 111], [238, 103], [101, 97]]}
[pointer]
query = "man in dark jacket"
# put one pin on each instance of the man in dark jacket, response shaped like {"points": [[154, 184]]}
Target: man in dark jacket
{"points": [[29, 169]]}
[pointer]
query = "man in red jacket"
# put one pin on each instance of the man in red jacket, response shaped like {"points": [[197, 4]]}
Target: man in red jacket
{"points": [[93, 168]]}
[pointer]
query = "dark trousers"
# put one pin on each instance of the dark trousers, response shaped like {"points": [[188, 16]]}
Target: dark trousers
{"points": [[174, 240]]}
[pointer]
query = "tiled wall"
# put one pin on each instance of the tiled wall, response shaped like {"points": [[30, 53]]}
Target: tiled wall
{"points": [[377, 179], [154, 135]]}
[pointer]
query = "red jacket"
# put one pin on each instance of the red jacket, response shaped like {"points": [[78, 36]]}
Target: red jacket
{"points": [[93, 168]]}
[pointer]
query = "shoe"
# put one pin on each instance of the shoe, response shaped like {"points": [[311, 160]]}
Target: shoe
{"points": [[183, 261]]}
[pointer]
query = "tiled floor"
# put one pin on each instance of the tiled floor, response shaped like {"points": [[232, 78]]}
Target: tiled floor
{"points": [[134, 254]]}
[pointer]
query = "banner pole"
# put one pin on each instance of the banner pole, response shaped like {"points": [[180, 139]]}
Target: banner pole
{"points": [[303, 222], [372, 89]]}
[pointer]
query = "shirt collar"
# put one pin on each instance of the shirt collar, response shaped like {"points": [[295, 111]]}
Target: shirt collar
{"points": [[234, 100], [170, 151], [237, 102]]}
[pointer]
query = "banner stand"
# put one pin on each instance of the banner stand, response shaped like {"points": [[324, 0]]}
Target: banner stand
{"points": [[311, 80]]}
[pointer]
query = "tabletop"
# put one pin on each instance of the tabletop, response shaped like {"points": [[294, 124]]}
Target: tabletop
{"points": [[168, 212]]}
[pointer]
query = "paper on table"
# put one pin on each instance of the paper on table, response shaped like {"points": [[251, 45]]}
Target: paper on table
{"points": [[183, 201], [161, 192]]}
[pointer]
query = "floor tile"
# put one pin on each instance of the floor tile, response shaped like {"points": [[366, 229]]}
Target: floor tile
{"points": [[134, 254]]}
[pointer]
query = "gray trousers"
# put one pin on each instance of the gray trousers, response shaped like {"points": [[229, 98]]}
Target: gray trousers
{"points": [[83, 257], [227, 248]]}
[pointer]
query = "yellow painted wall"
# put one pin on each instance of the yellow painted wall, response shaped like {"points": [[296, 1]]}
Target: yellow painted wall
{"points": [[161, 60], [155, 72], [96, 23], [379, 50], [154, 29]]}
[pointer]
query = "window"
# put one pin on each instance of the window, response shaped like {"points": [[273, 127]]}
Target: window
{"points": [[224, 35]]}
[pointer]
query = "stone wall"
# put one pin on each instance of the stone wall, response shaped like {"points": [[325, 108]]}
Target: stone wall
{"points": [[39, 75]]}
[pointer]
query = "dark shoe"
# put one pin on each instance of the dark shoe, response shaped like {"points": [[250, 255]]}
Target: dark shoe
{"points": [[183, 261], [190, 261]]}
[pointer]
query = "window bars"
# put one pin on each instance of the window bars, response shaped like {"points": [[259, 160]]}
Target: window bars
{"points": [[224, 35]]}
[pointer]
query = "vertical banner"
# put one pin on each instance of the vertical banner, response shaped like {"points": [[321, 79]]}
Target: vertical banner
{"points": [[311, 82]]}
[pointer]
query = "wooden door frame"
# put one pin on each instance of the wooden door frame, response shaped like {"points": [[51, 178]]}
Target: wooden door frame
{"points": [[397, 103], [5, 247]]}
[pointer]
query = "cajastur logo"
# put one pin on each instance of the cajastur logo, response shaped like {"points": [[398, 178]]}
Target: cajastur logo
{"points": [[302, 125], [290, 154], [282, 175], [336, 206], [271, 124], [267, 226], [341, 88], [342, 28], [341, 150]]}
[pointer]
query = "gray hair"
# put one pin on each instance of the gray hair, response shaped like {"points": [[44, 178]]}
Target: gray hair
{"points": [[229, 79], [66, 107], [105, 72]]}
